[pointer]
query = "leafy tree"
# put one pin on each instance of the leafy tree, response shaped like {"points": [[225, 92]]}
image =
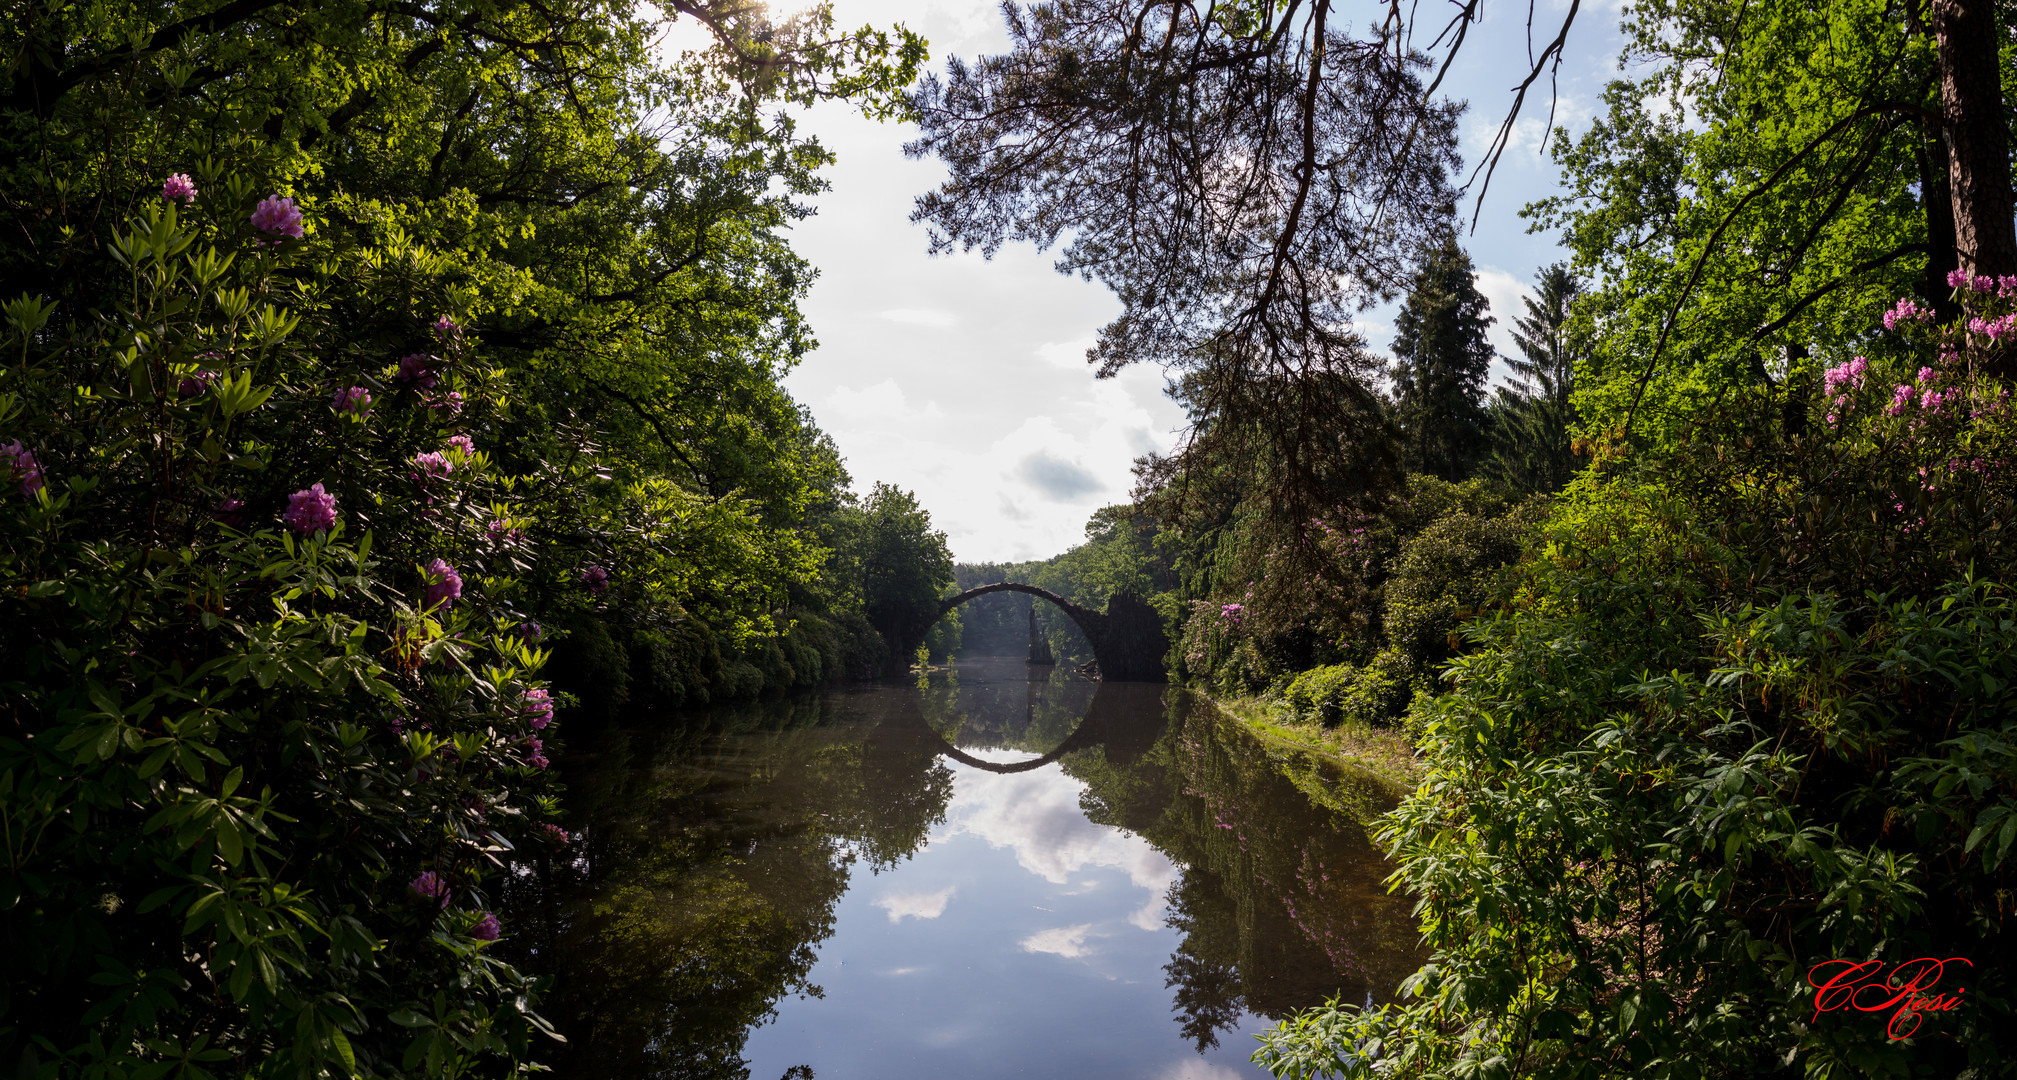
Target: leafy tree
{"points": [[902, 563], [1441, 361], [1534, 412], [544, 277], [1243, 177]]}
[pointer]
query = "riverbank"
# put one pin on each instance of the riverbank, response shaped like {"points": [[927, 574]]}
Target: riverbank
{"points": [[1305, 750]]}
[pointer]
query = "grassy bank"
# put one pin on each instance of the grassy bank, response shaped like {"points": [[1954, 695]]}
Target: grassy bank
{"points": [[1338, 766]]}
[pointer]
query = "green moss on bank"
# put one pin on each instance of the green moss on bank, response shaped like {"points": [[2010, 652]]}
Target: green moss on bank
{"points": [[1341, 766]]}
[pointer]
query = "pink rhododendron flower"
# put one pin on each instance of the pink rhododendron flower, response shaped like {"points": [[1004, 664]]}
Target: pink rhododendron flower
{"points": [[1845, 376], [18, 463], [502, 533], [1925, 375], [556, 834], [535, 753], [1957, 278], [486, 928], [463, 443], [444, 585], [179, 186], [354, 400], [451, 401], [433, 463], [596, 578], [1906, 311], [199, 381], [1983, 284], [418, 369], [538, 708], [228, 512], [1900, 397], [446, 327], [310, 510], [278, 216], [430, 886]]}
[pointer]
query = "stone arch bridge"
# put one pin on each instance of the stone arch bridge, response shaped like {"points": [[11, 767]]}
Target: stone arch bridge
{"points": [[1127, 638]]}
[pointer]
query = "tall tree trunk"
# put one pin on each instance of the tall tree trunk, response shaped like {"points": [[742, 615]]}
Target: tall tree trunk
{"points": [[1978, 156], [1939, 204]]}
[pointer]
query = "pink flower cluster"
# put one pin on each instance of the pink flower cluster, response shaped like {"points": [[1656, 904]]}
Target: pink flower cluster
{"points": [[596, 578], [430, 886], [200, 380], [18, 463], [179, 186], [464, 444], [535, 753], [1993, 329], [538, 708], [277, 216], [486, 928], [1906, 311], [1845, 376], [1231, 614], [502, 534], [418, 369], [310, 510], [554, 833], [354, 400], [444, 585], [446, 327], [451, 402], [1920, 391], [432, 463]]}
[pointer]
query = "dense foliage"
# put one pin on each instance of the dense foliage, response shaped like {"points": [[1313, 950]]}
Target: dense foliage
{"points": [[1748, 710], [362, 358]]}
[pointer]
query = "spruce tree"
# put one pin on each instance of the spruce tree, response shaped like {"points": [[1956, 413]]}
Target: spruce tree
{"points": [[1531, 418], [1441, 361]]}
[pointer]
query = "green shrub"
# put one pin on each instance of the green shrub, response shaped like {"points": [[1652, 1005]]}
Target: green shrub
{"points": [[1749, 709], [266, 669]]}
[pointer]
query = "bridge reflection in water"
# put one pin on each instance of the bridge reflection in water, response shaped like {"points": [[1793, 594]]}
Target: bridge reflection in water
{"points": [[1063, 878]]}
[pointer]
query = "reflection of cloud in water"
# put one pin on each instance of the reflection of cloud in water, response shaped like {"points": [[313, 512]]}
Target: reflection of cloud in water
{"points": [[1037, 815], [1196, 1069], [920, 905], [1066, 941]]}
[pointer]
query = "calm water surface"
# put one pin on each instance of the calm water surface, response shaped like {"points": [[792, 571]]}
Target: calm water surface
{"points": [[1001, 871]]}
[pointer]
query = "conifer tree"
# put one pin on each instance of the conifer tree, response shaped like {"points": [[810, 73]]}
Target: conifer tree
{"points": [[1532, 414], [1441, 360]]}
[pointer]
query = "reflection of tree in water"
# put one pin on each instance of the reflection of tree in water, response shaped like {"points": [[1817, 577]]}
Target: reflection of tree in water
{"points": [[1007, 705], [707, 874], [709, 866], [1280, 903]]}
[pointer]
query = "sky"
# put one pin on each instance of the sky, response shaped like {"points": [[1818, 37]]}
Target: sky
{"points": [[964, 380]]}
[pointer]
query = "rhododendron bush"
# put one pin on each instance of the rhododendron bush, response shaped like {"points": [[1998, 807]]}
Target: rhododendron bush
{"points": [[1748, 708], [273, 714]]}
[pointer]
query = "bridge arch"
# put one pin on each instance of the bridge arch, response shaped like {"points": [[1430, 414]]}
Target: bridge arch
{"points": [[1127, 638]]}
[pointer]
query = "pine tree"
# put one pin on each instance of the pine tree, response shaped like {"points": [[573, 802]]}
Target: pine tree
{"points": [[1530, 434], [1441, 361]]}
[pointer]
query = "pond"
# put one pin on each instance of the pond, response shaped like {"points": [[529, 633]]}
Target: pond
{"points": [[1001, 870]]}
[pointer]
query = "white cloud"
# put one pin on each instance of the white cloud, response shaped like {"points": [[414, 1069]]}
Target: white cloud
{"points": [[1066, 941], [1069, 355], [1037, 815], [915, 905], [1059, 481], [937, 320], [1507, 296], [1196, 1069]]}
